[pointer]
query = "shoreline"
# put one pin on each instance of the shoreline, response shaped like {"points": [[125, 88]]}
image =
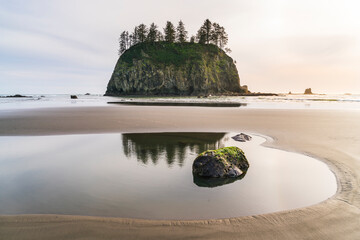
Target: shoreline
{"points": [[331, 136]]}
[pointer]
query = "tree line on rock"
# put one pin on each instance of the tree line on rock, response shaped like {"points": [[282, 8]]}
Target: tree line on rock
{"points": [[209, 33]]}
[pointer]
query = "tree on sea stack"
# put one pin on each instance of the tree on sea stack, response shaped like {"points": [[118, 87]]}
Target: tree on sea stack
{"points": [[201, 36], [222, 38], [169, 32], [181, 33], [213, 33], [207, 27], [134, 35], [142, 32], [123, 41], [153, 33]]}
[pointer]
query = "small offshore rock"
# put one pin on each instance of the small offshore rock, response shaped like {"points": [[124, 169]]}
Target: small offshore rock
{"points": [[16, 96], [242, 137], [227, 162], [73, 97], [308, 91]]}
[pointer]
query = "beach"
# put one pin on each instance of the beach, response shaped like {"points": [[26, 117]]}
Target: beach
{"points": [[332, 136]]}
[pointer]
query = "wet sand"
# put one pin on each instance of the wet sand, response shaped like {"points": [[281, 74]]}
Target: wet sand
{"points": [[332, 136]]}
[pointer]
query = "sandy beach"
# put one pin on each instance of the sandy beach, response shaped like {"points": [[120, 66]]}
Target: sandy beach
{"points": [[332, 136]]}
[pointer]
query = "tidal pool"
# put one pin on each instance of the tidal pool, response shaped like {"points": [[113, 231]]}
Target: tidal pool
{"points": [[149, 175]]}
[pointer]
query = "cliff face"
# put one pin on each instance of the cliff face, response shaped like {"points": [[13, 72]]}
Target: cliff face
{"points": [[162, 68]]}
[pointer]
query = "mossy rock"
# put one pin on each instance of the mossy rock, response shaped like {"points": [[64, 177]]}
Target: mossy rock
{"points": [[227, 162]]}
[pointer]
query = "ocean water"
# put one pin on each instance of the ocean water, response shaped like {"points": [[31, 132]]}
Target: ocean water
{"points": [[284, 101]]}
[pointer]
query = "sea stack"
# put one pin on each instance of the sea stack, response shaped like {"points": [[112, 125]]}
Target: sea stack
{"points": [[163, 68], [308, 91]]}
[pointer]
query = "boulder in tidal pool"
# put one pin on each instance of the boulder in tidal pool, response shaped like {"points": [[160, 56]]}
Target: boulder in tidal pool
{"points": [[227, 162], [242, 137]]}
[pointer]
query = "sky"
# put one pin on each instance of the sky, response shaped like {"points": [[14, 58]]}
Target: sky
{"points": [[70, 46]]}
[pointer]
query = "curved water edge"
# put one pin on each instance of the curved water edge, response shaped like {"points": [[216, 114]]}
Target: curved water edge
{"points": [[270, 142], [159, 177]]}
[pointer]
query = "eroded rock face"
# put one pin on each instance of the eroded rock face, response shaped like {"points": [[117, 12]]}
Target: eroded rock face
{"points": [[163, 68], [228, 162]]}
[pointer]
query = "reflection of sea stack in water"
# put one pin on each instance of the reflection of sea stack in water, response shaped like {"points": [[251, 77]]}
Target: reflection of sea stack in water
{"points": [[174, 146], [227, 162]]}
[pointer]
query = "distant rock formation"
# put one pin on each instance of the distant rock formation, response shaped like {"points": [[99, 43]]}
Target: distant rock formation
{"points": [[221, 163], [308, 91], [15, 96], [73, 97], [162, 68]]}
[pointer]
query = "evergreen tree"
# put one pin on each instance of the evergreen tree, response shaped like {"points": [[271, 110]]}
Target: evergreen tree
{"points": [[131, 40], [223, 38], [207, 27], [192, 39], [153, 33], [181, 33], [142, 32], [135, 39], [159, 36], [169, 32], [122, 43], [127, 40], [201, 36], [215, 33]]}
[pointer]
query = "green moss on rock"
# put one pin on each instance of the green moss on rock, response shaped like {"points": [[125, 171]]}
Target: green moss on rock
{"points": [[163, 68], [223, 162]]}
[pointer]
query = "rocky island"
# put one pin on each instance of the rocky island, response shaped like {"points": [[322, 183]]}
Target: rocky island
{"points": [[163, 68], [151, 63]]}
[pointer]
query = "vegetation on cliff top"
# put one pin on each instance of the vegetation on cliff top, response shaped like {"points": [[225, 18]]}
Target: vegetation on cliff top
{"points": [[209, 33], [176, 54]]}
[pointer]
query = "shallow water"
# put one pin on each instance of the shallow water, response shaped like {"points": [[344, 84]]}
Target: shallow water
{"points": [[284, 101], [149, 176], [180, 104]]}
